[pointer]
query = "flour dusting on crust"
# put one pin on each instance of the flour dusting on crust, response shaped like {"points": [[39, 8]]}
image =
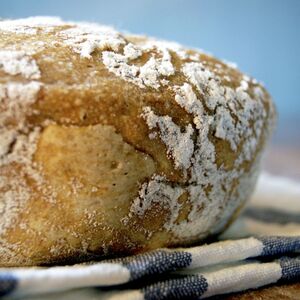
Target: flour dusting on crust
{"points": [[87, 37], [180, 146], [157, 190], [150, 74], [227, 113], [17, 146], [17, 62], [30, 26]]}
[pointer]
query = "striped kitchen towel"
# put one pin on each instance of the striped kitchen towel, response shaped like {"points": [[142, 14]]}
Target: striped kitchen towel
{"points": [[260, 248]]}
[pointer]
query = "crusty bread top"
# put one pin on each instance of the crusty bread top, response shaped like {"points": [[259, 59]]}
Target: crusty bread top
{"points": [[200, 119]]}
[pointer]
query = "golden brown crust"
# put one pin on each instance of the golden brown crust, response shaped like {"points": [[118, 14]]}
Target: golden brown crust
{"points": [[106, 138]]}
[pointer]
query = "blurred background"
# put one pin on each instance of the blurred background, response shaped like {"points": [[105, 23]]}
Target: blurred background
{"points": [[261, 36]]}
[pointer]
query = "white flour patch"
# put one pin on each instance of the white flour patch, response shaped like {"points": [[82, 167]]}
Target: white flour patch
{"points": [[157, 190], [18, 63], [16, 146], [87, 37], [147, 75], [180, 146], [30, 25]]}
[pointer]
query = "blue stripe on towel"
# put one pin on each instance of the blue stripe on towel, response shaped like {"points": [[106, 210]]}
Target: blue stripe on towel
{"points": [[290, 268], [186, 287], [274, 245], [157, 262], [7, 284], [270, 215]]}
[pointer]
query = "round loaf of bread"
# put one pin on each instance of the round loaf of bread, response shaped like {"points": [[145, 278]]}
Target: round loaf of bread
{"points": [[115, 144]]}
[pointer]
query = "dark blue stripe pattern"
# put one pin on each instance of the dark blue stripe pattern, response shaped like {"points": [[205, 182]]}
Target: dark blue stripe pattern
{"points": [[290, 269], [151, 273], [7, 284], [274, 245], [270, 215], [186, 287], [157, 262]]}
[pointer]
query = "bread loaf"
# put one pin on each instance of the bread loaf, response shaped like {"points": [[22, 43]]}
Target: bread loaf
{"points": [[114, 144]]}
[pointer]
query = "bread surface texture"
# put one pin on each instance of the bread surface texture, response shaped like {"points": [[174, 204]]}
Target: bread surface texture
{"points": [[114, 144]]}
